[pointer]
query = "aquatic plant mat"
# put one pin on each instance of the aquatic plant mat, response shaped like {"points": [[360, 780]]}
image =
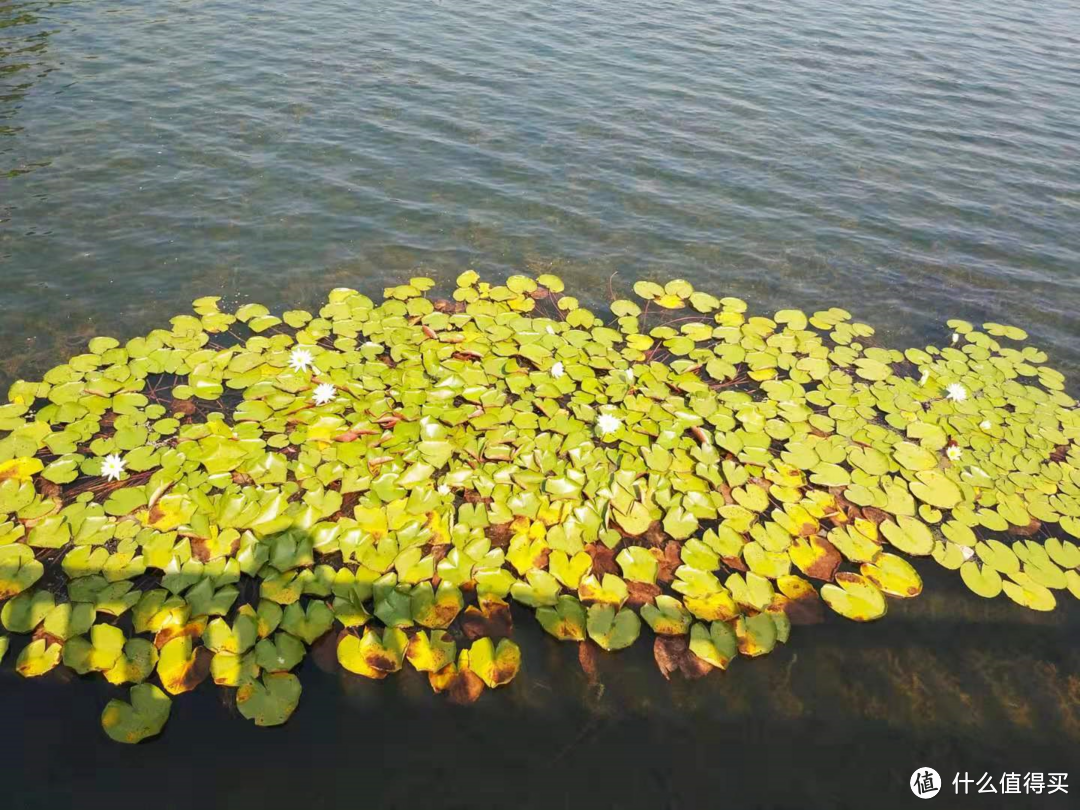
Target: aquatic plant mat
{"points": [[213, 500]]}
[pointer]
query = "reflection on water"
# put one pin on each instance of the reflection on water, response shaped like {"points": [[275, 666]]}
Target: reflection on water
{"points": [[839, 717], [910, 161], [23, 43]]}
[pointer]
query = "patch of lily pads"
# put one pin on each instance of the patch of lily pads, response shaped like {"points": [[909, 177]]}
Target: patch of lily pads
{"points": [[383, 479]]}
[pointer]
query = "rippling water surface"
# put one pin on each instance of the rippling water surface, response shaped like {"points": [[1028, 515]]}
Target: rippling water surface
{"points": [[910, 161]]}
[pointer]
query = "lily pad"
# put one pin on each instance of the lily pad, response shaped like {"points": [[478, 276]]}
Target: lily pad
{"points": [[756, 635], [145, 716], [613, 630], [431, 653], [934, 488], [180, 666], [26, 611], [271, 700], [981, 579], [667, 616], [716, 643], [98, 654], [909, 535], [135, 663], [307, 625], [854, 597], [435, 609], [18, 570], [37, 658], [565, 621], [495, 666], [378, 463], [373, 656], [893, 576], [279, 653]]}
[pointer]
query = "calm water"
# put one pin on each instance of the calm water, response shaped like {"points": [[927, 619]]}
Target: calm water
{"points": [[910, 161]]}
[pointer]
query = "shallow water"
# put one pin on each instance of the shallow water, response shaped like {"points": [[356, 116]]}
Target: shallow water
{"points": [[910, 161]]}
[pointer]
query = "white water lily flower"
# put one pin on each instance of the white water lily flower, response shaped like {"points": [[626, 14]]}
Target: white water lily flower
{"points": [[606, 423], [443, 489], [925, 378], [301, 359], [985, 424], [955, 337], [954, 453], [112, 467], [956, 392], [967, 552], [629, 375], [557, 370], [324, 393]]}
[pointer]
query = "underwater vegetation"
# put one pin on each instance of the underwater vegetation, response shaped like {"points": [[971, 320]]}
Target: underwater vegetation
{"points": [[215, 499]]}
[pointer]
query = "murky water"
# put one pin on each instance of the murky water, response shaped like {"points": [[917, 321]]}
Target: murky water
{"points": [[910, 161]]}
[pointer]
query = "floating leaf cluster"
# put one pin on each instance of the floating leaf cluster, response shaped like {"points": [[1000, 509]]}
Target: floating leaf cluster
{"points": [[217, 498]]}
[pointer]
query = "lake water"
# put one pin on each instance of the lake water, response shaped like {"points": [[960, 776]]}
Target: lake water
{"points": [[910, 161]]}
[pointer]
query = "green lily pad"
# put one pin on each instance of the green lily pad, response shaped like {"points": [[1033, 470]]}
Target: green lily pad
{"points": [[638, 564], [715, 643], [435, 608], [431, 653], [933, 488], [908, 535], [26, 611], [565, 621], [854, 597], [540, 589], [99, 653], [667, 616], [37, 658], [913, 457], [135, 663], [307, 625], [376, 463], [373, 656], [495, 666], [241, 637], [179, 667], [280, 653], [70, 619], [18, 570], [981, 579], [569, 570], [1027, 593], [893, 576], [756, 635], [610, 629], [145, 716], [271, 700]]}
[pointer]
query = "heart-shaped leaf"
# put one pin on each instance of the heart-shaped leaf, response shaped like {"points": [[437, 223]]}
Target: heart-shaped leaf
{"points": [[143, 717]]}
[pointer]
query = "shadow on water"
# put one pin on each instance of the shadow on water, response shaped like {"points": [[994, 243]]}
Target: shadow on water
{"points": [[840, 717]]}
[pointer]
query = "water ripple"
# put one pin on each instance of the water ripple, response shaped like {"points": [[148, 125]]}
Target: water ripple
{"points": [[910, 160]]}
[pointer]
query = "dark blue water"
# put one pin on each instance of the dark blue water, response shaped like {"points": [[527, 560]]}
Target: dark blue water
{"points": [[910, 161]]}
